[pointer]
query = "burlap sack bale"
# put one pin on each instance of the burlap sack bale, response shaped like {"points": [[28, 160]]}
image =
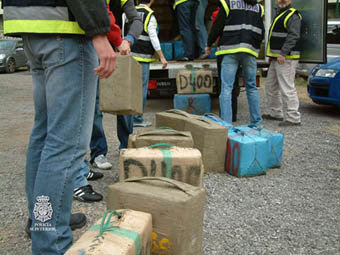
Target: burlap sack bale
{"points": [[164, 135], [129, 234], [173, 118], [182, 164], [122, 93], [211, 139], [177, 211], [194, 81]]}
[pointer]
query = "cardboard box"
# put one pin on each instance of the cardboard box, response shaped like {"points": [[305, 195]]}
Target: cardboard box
{"points": [[195, 103], [194, 81], [177, 211], [129, 234], [164, 135], [182, 164], [122, 93]]}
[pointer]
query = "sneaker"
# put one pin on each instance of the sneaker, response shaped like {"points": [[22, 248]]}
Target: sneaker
{"points": [[94, 175], [77, 220], [269, 117], [87, 194], [142, 124], [101, 162], [287, 123]]}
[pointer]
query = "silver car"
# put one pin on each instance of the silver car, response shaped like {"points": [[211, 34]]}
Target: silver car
{"points": [[12, 55]]}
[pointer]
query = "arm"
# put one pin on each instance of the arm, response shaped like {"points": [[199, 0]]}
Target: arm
{"points": [[115, 33], [155, 41], [93, 18], [294, 32], [136, 27]]}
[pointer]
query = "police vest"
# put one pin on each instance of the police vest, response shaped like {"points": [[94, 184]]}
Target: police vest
{"points": [[116, 7], [39, 16], [142, 50], [177, 2], [243, 29], [278, 33]]}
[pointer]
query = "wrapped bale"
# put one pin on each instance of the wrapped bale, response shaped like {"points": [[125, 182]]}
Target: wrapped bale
{"points": [[182, 164], [247, 155], [124, 232], [177, 211], [275, 140], [174, 119], [194, 81], [122, 93], [195, 103], [211, 139], [163, 135]]}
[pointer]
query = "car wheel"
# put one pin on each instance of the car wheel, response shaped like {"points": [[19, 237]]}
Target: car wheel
{"points": [[10, 66]]}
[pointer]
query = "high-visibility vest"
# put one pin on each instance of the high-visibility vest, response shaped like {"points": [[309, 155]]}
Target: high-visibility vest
{"points": [[37, 16], [243, 30], [177, 2], [278, 33], [142, 50]]}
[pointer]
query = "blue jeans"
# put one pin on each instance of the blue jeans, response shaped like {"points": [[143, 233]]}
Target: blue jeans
{"points": [[124, 129], [186, 14], [146, 75], [64, 98], [230, 65], [98, 144], [201, 29]]}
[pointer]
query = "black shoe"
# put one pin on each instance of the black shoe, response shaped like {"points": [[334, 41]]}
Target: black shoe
{"points": [[94, 175], [87, 194], [77, 220], [269, 117], [287, 123], [184, 59]]}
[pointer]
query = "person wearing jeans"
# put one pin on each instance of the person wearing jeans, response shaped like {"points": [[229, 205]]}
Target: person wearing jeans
{"points": [[241, 28], [186, 15], [201, 29], [64, 71]]}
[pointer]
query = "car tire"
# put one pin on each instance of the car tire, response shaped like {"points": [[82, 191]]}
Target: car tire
{"points": [[11, 66]]}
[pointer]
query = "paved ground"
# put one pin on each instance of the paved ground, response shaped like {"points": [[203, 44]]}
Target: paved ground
{"points": [[291, 210]]}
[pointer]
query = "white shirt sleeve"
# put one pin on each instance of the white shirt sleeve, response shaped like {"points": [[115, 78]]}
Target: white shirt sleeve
{"points": [[152, 28]]}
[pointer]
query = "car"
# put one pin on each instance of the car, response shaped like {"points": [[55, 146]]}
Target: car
{"points": [[324, 83], [12, 55]]}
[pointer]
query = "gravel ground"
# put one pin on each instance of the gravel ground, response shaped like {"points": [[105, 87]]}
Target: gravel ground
{"points": [[291, 210]]}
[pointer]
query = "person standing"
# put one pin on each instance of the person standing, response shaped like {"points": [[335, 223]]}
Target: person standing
{"points": [[240, 25], [62, 44], [201, 29], [144, 49], [186, 15], [283, 48]]}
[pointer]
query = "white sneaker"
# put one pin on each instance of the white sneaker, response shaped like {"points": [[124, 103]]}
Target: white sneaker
{"points": [[101, 163]]}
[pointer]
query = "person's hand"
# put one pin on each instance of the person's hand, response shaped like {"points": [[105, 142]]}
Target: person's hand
{"points": [[124, 48], [164, 63], [281, 59], [207, 50], [106, 55]]}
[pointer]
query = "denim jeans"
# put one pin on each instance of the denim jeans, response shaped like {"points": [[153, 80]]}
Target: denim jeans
{"points": [[202, 33], [186, 14], [98, 144], [146, 75], [124, 129], [230, 65], [64, 97]]}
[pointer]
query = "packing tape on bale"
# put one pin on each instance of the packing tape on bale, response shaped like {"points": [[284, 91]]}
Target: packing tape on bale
{"points": [[108, 227], [166, 156]]}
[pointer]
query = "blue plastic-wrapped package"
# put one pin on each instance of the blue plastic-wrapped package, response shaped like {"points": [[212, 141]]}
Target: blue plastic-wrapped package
{"points": [[275, 140], [217, 119], [247, 155], [178, 49], [167, 50], [193, 103]]}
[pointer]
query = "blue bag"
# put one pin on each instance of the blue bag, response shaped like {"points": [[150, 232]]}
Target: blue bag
{"points": [[275, 140], [167, 50], [193, 103], [212, 54], [247, 155], [178, 49]]}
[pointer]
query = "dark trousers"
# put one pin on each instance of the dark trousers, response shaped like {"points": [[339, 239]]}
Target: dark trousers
{"points": [[236, 89]]}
